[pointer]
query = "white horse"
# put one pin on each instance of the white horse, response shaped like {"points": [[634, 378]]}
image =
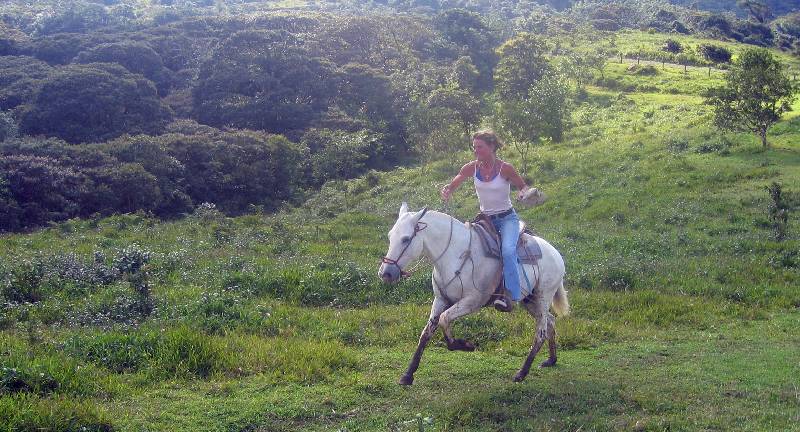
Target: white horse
{"points": [[464, 279]]}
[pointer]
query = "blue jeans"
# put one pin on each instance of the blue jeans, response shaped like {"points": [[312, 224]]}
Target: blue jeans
{"points": [[508, 227]]}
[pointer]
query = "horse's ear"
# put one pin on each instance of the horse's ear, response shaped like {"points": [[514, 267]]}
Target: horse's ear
{"points": [[422, 213], [403, 208]]}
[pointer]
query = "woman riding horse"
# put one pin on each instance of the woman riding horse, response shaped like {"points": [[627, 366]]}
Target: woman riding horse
{"points": [[493, 178]]}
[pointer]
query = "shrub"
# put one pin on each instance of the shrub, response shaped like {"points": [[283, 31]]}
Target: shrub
{"points": [[715, 53], [94, 102], [672, 46]]}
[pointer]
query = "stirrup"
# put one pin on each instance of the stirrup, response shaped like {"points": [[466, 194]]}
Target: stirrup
{"points": [[503, 305]]}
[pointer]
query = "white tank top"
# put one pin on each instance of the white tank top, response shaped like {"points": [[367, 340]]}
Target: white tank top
{"points": [[493, 195]]}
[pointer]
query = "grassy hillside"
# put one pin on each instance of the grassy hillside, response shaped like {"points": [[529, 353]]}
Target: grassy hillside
{"points": [[685, 307]]}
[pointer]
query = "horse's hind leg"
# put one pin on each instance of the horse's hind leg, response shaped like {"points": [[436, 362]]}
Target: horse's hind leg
{"points": [[551, 342], [462, 307], [430, 328], [542, 325]]}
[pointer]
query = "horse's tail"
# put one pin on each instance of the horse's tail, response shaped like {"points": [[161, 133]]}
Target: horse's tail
{"points": [[560, 302]]}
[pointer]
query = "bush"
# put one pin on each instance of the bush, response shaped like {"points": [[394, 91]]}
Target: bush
{"points": [[94, 102], [714, 53], [606, 24], [340, 155], [672, 46], [13, 380], [647, 70], [44, 189]]}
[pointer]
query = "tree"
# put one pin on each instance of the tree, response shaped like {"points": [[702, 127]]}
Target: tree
{"points": [[715, 53], [457, 104], [10, 39], [8, 126], [539, 116], [39, 189], [137, 57], [61, 48], [469, 32], [758, 9], [262, 80], [465, 75], [522, 63], [339, 154], [757, 92], [94, 102], [73, 17], [597, 60], [10, 212], [573, 65], [236, 168], [19, 79]]}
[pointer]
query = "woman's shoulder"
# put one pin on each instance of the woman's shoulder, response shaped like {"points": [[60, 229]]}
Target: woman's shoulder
{"points": [[469, 168], [506, 168]]}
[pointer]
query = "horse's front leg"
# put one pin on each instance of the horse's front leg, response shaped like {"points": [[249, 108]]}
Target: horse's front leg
{"points": [[437, 308], [462, 307]]}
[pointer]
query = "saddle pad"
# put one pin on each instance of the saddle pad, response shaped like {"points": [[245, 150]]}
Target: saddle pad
{"points": [[528, 248]]}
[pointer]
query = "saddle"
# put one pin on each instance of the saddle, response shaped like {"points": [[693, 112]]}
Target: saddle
{"points": [[528, 250]]}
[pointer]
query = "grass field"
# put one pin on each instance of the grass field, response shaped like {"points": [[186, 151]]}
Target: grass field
{"points": [[686, 309]]}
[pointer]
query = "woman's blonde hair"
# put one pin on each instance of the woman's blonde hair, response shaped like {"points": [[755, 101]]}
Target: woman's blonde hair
{"points": [[489, 137]]}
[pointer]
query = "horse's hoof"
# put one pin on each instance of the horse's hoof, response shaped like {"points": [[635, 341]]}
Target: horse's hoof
{"points": [[520, 376], [547, 363], [461, 345], [406, 379]]}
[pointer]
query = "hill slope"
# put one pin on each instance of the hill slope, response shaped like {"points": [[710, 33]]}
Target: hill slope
{"points": [[685, 307]]}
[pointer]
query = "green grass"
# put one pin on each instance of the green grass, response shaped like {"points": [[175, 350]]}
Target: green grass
{"points": [[685, 307]]}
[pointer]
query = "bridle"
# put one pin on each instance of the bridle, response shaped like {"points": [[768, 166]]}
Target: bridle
{"points": [[419, 226]]}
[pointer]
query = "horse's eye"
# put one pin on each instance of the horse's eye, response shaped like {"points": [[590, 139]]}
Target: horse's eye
{"points": [[405, 240]]}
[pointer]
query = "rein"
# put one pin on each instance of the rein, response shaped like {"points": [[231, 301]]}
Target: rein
{"points": [[419, 226]]}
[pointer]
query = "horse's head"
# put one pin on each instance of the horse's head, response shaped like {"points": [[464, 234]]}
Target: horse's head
{"points": [[404, 244]]}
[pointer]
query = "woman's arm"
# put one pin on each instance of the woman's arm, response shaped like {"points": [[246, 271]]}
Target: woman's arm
{"points": [[510, 174], [467, 171]]}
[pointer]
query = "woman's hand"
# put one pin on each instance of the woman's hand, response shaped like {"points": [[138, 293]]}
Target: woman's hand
{"points": [[521, 193], [446, 192]]}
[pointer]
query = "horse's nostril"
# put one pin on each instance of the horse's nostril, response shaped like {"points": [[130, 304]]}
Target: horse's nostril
{"points": [[387, 275]]}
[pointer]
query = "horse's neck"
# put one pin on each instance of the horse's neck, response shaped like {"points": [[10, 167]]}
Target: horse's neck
{"points": [[440, 245]]}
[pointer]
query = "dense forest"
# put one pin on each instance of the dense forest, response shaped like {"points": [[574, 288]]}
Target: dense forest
{"points": [[120, 106]]}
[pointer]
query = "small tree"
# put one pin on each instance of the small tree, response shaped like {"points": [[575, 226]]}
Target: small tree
{"points": [[522, 63], [597, 60], [538, 117], [459, 105], [757, 92]]}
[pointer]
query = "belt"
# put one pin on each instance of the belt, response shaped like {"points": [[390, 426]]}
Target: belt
{"points": [[502, 215]]}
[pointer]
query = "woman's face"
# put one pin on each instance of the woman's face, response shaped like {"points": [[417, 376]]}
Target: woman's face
{"points": [[483, 151]]}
